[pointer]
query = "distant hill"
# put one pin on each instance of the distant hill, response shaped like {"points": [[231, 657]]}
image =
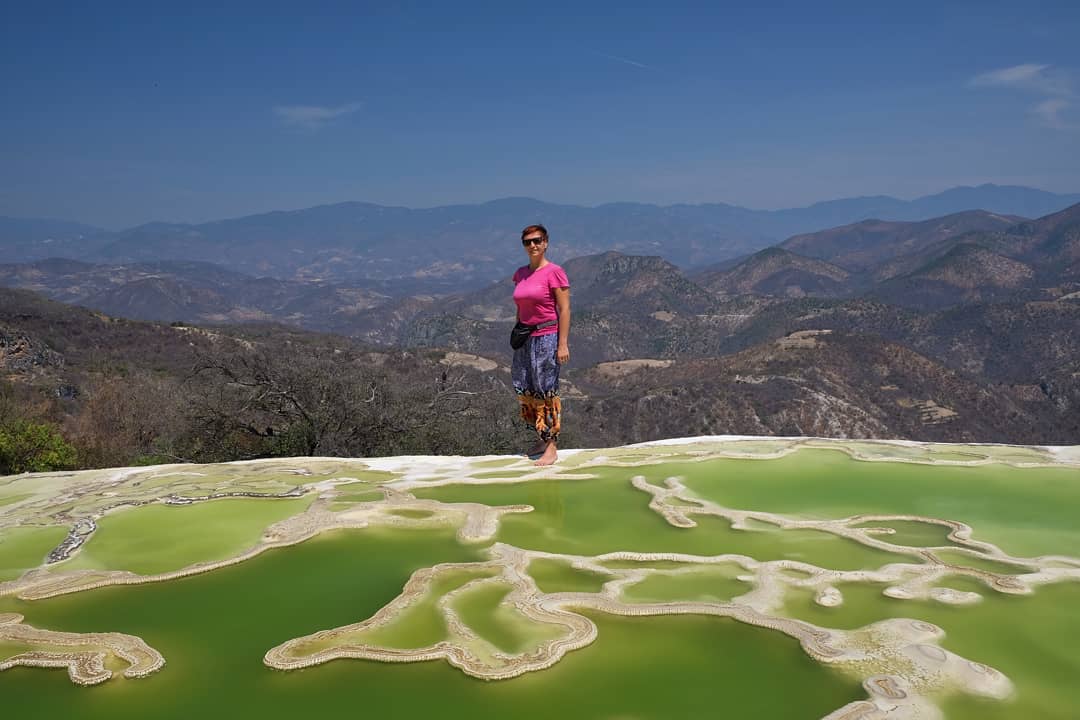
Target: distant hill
{"points": [[188, 291], [614, 281], [1051, 242], [1026, 344], [999, 199], [1032, 259], [72, 343], [818, 383], [623, 306], [868, 244], [1003, 199], [965, 273], [29, 239], [776, 271], [445, 249], [966, 257]]}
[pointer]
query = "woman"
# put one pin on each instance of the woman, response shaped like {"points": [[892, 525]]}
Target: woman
{"points": [[542, 295]]}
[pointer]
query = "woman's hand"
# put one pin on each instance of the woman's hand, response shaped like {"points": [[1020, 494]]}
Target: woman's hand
{"points": [[562, 302]]}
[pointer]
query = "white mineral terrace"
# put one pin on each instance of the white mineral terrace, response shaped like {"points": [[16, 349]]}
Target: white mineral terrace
{"points": [[85, 661], [902, 666], [475, 523], [896, 659]]}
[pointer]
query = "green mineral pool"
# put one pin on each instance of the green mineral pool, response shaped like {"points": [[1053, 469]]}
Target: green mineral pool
{"points": [[616, 609]]}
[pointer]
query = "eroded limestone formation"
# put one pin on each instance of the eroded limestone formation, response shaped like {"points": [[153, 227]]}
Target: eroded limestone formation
{"points": [[678, 505], [83, 654], [898, 659]]}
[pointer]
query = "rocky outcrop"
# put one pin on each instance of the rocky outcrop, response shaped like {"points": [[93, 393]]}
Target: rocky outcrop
{"points": [[21, 353]]}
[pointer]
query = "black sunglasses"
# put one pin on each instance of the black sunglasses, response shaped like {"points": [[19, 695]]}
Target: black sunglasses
{"points": [[533, 241]]}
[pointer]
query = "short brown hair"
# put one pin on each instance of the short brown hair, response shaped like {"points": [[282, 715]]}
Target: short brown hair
{"points": [[535, 228]]}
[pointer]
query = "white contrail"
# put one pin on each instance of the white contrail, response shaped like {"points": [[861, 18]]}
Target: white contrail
{"points": [[627, 61]]}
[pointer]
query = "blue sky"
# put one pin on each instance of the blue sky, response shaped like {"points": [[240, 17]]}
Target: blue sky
{"points": [[116, 114]]}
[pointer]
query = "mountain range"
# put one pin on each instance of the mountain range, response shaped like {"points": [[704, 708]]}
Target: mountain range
{"points": [[401, 251], [970, 257], [962, 327], [965, 257]]}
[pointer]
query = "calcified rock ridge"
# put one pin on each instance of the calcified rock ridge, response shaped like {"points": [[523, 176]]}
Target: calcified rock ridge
{"points": [[83, 654], [899, 661]]}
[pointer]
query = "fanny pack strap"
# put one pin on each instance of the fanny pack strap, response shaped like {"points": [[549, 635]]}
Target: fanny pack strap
{"points": [[543, 325]]}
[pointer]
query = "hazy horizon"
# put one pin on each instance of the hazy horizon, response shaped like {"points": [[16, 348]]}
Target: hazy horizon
{"points": [[498, 199]]}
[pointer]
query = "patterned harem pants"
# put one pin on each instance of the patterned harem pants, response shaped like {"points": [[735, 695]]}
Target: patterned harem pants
{"points": [[535, 374]]}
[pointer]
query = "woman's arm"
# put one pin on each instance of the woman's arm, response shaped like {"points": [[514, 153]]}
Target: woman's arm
{"points": [[562, 303], [517, 310]]}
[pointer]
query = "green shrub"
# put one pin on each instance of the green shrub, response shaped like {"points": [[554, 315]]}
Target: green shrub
{"points": [[33, 447]]}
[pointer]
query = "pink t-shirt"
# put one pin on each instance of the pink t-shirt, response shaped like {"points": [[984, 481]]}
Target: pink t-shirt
{"points": [[535, 295]]}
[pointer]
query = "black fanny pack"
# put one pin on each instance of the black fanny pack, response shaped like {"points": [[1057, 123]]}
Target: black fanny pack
{"points": [[523, 332]]}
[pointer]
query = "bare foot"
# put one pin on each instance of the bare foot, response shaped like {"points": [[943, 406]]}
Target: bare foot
{"points": [[536, 449], [549, 457]]}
